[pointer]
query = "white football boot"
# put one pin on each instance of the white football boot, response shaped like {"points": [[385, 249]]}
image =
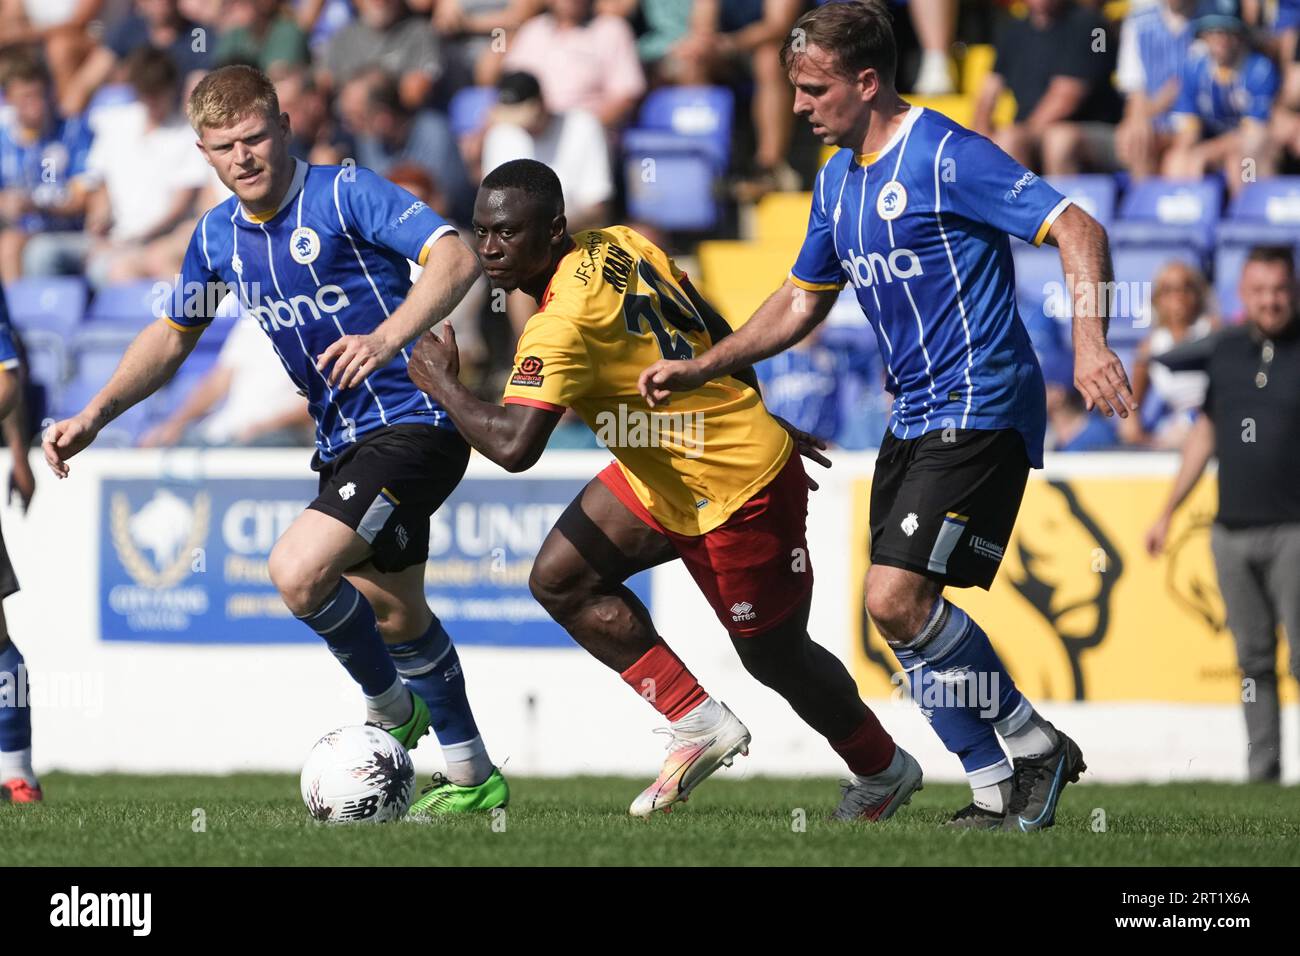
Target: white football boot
{"points": [[689, 762], [879, 796]]}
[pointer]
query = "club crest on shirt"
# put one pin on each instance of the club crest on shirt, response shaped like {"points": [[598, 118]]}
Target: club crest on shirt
{"points": [[892, 200], [529, 372], [304, 245]]}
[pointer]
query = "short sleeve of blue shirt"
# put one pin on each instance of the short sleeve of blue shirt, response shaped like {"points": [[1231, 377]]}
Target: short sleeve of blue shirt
{"points": [[386, 215], [193, 303], [989, 186], [818, 267]]}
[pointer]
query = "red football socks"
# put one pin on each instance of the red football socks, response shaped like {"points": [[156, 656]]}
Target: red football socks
{"points": [[663, 680], [868, 750]]}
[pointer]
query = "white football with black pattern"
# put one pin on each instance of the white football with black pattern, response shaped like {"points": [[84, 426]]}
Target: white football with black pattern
{"points": [[358, 775]]}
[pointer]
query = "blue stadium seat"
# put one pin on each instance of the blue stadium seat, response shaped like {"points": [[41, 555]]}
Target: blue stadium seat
{"points": [[130, 305], [669, 182], [468, 110], [1038, 275], [1267, 211], [680, 146], [54, 305], [1170, 212], [701, 114], [1094, 194]]}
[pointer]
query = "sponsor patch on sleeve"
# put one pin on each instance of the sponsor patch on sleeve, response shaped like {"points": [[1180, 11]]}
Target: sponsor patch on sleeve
{"points": [[528, 372]]}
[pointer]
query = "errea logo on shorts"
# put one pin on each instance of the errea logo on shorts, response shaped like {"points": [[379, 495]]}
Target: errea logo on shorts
{"points": [[742, 611]]}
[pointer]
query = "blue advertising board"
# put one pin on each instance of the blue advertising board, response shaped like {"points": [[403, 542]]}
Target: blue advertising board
{"points": [[186, 562]]}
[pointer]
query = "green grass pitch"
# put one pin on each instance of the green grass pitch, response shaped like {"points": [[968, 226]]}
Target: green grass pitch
{"points": [[108, 820]]}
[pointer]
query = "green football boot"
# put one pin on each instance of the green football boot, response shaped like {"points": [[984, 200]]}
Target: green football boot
{"points": [[409, 733], [442, 796]]}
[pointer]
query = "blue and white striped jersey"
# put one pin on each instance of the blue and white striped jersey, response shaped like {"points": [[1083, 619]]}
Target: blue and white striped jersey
{"points": [[921, 231], [331, 261]]}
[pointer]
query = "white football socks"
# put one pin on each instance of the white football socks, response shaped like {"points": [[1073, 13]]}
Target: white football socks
{"points": [[468, 763], [993, 797], [702, 718], [392, 708], [17, 764], [1034, 738]]}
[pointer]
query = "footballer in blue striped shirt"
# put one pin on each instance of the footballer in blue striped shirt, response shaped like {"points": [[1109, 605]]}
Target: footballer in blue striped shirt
{"points": [[915, 212], [318, 255]]}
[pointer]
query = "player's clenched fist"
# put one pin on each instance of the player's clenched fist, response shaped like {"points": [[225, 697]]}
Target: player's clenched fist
{"points": [[435, 361], [659, 381], [354, 357], [63, 440]]}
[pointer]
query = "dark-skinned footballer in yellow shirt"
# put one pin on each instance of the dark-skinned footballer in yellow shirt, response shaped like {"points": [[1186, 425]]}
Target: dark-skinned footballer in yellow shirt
{"points": [[714, 480]]}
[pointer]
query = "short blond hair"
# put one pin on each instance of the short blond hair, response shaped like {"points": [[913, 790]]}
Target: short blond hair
{"points": [[228, 95]]}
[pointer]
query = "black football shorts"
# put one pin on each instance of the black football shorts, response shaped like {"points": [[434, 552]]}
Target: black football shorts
{"points": [[387, 485], [943, 504]]}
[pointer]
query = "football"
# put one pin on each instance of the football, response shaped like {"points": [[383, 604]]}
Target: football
{"points": [[357, 775]]}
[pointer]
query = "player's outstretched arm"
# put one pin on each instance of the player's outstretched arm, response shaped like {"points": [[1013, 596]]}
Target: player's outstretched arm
{"points": [[1085, 258], [787, 316], [1198, 448], [448, 273], [149, 363], [513, 436]]}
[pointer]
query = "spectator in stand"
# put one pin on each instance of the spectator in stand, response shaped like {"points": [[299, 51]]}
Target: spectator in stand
{"points": [[1153, 47], [154, 23], [1057, 62], [386, 36], [571, 143], [320, 20], [1179, 310], [245, 400], [58, 27], [663, 23], [261, 33], [468, 28], [42, 189], [1222, 112], [935, 22], [315, 136], [738, 42], [583, 61], [393, 133], [147, 175]]}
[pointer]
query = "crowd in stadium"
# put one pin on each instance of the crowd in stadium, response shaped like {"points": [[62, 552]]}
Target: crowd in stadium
{"points": [[1167, 119]]}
